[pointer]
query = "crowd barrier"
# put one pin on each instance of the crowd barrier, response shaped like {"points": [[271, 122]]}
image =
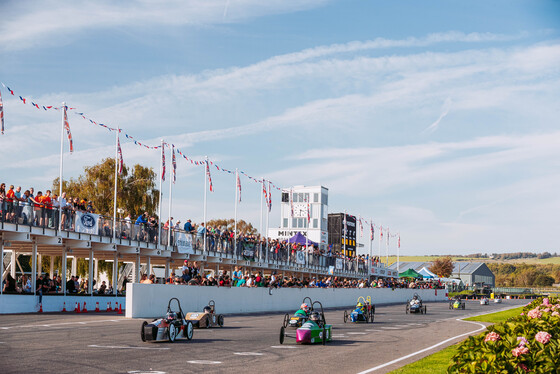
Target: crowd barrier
{"points": [[11, 304], [150, 300]]}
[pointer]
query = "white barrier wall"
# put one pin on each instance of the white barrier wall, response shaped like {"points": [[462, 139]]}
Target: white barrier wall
{"points": [[150, 300], [29, 303]]}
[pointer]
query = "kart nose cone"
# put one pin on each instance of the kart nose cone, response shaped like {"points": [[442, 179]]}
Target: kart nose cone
{"points": [[303, 336]]}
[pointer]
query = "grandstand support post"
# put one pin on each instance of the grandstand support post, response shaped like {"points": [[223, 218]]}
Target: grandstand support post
{"points": [[74, 265], [2, 266], [235, 213], [148, 266], [166, 270], [161, 176], [61, 165], [90, 281], [137, 266], [95, 269], [116, 185], [63, 270], [34, 266], [115, 273], [51, 269], [39, 263], [205, 198], [13, 263]]}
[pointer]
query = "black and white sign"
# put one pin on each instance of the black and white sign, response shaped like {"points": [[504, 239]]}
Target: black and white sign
{"points": [[87, 223]]}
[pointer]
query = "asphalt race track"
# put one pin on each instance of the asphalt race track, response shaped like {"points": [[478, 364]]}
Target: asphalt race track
{"points": [[110, 343]]}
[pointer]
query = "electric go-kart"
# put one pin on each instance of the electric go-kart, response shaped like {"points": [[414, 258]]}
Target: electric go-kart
{"points": [[497, 300], [484, 301], [456, 303], [314, 330], [301, 316], [169, 328], [207, 318], [415, 305], [364, 311]]}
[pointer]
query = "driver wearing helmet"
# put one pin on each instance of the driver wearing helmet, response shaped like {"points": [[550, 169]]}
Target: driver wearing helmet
{"points": [[170, 317], [303, 310], [207, 309], [315, 318], [360, 308], [414, 300]]}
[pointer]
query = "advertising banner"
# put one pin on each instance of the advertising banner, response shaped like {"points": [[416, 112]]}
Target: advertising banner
{"points": [[338, 264], [248, 251], [184, 242], [87, 223], [300, 257]]}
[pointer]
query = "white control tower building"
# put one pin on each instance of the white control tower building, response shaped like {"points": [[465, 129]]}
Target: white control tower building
{"points": [[299, 205]]}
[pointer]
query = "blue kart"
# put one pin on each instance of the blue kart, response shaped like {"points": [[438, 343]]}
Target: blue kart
{"points": [[364, 311]]}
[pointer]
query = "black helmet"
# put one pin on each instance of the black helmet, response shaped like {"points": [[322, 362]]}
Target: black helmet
{"points": [[314, 316], [207, 309], [171, 316], [415, 297]]}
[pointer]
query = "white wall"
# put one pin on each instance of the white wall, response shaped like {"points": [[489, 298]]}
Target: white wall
{"points": [[150, 300], [29, 303]]}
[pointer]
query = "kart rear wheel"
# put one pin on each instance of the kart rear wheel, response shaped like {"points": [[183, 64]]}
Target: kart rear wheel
{"points": [[425, 309], [142, 333], [373, 309], [188, 330], [345, 316], [286, 320], [221, 320], [282, 334], [208, 322], [172, 333], [324, 336], [407, 308], [371, 317]]}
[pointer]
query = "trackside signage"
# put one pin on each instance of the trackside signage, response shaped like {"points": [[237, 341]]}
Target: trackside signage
{"points": [[184, 243]]}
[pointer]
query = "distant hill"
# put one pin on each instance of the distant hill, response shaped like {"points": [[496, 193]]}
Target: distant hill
{"points": [[515, 257]]}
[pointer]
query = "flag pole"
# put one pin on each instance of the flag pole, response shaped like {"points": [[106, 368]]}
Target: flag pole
{"points": [[61, 165], [205, 187], [260, 220], [161, 176], [235, 211], [379, 246], [267, 220], [171, 181], [370, 244], [398, 253], [345, 226], [116, 175], [387, 247]]}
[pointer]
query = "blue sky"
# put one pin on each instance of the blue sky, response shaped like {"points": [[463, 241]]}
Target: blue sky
{"points": [[438, 119]]}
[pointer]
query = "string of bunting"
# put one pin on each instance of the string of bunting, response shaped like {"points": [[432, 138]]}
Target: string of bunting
{"points": [[25, 100]]}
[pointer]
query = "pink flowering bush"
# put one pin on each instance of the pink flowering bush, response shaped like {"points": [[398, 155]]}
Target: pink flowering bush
{"points": [[528, 343]]}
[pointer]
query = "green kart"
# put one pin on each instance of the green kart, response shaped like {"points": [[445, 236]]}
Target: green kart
{"points": [[313, 331]]}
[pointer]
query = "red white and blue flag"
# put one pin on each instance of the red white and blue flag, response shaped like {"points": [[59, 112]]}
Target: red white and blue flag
{"points": [[163, 162], [372, 231], [209, 177], [269, 198], [308, 213], [119, 152], [1, 114], [381, 233], [174, 162], [67, 127], [399, 240], [361, 227], [239, 186], [264, 192]]}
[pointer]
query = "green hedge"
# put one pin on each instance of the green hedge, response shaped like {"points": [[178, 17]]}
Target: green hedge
{"points": [[526, 343]]}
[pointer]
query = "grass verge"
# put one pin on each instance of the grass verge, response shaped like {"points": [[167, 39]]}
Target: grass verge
{"points": [[438, 362]]}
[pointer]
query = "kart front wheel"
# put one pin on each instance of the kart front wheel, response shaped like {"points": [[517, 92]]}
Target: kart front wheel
{"points": [[407, 308], [282, 334], [188, 330], [324, 336], [286, 320], [345, 316], [425, 309], [221, 320], [142, 332], [172, 333], [371, 317]]}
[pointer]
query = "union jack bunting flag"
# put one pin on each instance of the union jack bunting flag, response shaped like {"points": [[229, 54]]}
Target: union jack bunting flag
{"points": [[1, 114], [381, 233], [209, 177], [361, 227], [372, 232], [399, 240], [264, 192], [388, 236], [163, 164], [239, 186], [67, 127], [174, 162], [269, 198], [119, 152]]}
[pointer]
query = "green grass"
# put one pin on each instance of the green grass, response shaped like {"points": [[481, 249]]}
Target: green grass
{"points": [[438, 362], [497, 317], [434, 364]]}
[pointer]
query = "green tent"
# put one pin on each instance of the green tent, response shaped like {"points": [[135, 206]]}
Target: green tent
{"points": [[410, 273]]}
